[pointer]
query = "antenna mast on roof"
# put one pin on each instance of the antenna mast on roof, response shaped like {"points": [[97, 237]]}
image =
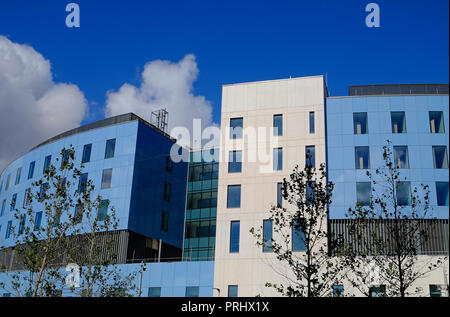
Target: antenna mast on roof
{"points": [[160, 119]]}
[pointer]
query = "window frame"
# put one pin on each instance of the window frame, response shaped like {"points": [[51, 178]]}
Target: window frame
{"points": [[234, 162], [399, 200], [267, 241], [397, 149], [277, 159], [87, 151], [312, 124], [401, 128], [444, 158], [110, 148], [277, 125], [441, 122], [357, 158], [31, 170], [106, 178], [439, 199], [235, 236], [359, 185], [310, 156], [238, 128], [365, 129], [229, 194]]}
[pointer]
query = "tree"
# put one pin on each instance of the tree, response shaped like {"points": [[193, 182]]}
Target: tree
{"points": [[93, 250], [387, 234], [304, 221], [47, 240]]}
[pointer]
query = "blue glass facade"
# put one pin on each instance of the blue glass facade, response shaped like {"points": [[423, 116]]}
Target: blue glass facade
{"points": [[357, 129], [157, 188], [201, 206]]}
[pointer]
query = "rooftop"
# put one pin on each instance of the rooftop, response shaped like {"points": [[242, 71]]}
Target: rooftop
{"points": [[398, 89], [104, 123]]}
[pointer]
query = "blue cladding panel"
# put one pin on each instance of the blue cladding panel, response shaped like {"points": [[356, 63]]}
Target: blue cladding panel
{"points": [[172, 278], [122, 164], [341, 143]]}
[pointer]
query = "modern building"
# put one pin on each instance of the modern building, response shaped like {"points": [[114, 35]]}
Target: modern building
{"points": [[358, 127], [195, 217], [275, 123], [128, 161]]}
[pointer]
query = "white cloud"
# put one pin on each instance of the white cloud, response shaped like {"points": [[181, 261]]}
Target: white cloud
{"points": [[164, 84], [32, 106]]}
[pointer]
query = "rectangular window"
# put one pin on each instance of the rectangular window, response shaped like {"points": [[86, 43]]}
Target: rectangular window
{"points": [[65, 158], [57, 219], [192, 291], [169, 164], [436, 122], [22, 224], [234, 236], [235, 162], [106, 178], [232, 291], [338, 290], [363, 193], [310, 156], [401, 157], [435, 291], [298, 237], [440, 158], [236, 128], [8, 181], [377, 291], [165, 221], [38, 220], [278, 159], [78, 214], [167, 190], [398, 122], [102, 210], [234, 196], [360, 122], [82, 182], [86, 153], [47, 162], [154, 292], [442, 193], [8, 229], [279, 194], [310, 192], [43, 191], [13, 202], [31, 170], [27, 198], [18, 174], [278, 125], [267, 235], [110, 148], [362, 157], [3, 208], [403, 193], [311, 123]]}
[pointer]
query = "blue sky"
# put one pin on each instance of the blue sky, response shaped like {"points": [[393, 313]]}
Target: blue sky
{"points": [[234, 41]]}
